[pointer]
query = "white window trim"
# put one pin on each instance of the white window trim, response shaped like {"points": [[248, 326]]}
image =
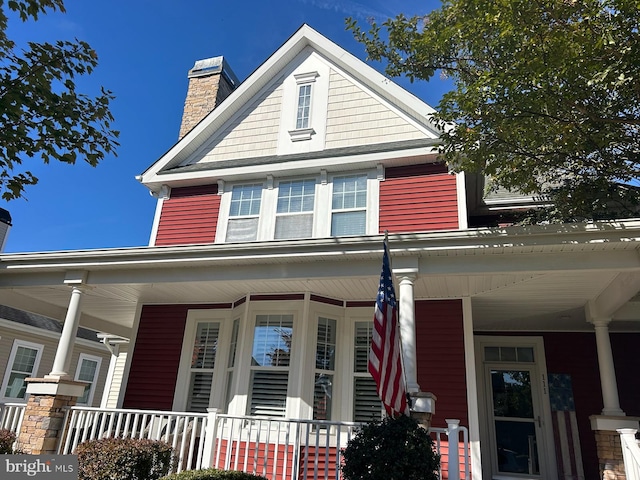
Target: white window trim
{"points": [[225, 210], [304, 133], [181, 393], [9, 368], [92, 390]]}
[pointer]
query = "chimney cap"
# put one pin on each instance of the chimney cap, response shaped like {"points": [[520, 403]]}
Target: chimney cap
{"points": [[212, 66], [5, 216]]}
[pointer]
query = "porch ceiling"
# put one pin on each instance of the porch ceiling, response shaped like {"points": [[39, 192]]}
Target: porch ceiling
{"points": [[538, 281]]}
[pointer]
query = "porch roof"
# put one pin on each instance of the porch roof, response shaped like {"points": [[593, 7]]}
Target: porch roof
{"points": [[534, 278]]}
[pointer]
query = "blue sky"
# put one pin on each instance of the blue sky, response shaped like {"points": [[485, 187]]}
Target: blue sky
{"points": [[145, 49]]}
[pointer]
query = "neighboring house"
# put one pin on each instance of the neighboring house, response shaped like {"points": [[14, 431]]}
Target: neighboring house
{"points": [[28, 344], [256, 292]]}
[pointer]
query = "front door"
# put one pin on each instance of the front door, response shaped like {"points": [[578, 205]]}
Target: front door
{"points": [[516, 426]]}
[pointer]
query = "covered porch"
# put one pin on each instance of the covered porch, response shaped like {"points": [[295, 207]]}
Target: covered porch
{"points": [[575, 280]]}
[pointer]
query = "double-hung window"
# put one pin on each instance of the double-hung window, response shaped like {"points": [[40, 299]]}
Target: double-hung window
{"points": [[203, 359], [294, 213], [349, 205], [270, 361], [87, 371], [244, 213], [23, 363], [325, 368], [366, 404]]}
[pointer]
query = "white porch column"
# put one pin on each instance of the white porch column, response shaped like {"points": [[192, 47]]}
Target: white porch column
{"points": [[69, 329], [407, 318], [607, 370]]}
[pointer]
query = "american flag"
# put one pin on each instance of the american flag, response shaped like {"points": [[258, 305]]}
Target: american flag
{"points": [[385, 356]]}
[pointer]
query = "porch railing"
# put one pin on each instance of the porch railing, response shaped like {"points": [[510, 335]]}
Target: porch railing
{"points": [[11, 415], [280, 449], [630, 453]]}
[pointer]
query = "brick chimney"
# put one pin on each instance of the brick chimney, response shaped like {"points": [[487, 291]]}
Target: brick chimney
{"points": [[210, 81]]}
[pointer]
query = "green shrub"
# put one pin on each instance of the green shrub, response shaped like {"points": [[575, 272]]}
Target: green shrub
{"points": [[7, 437], [124, 459], [392, 449], [212, 474]]}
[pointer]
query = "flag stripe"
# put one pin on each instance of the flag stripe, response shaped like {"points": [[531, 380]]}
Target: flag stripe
{"points": [[385, 361]]}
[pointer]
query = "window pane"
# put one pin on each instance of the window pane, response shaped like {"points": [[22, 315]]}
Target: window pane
{"points": [[199, 391], [366, 404], [245, 200], [349, 192], [322, 393], [296, 196], [326, 344], [304, 104], [242, 229], [294, 226], [348, 223], [88, 370], [25, 359], [272, 340], [22, 368], [362, 340], [205, 345], [268, 393]]}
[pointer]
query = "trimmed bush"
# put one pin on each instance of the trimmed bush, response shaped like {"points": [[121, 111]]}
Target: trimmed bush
{"points": [[7, 437], [212, 474], [392, 449], [124, 459]]}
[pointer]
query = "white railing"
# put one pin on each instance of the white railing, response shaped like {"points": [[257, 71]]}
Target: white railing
{"points": [[11, 415], [272, 447], [630, 453], [183, 431]]}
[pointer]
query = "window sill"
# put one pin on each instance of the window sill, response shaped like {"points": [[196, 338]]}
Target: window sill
{"points": [[301, 134]]}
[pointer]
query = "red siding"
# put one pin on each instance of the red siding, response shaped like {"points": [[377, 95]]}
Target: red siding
{"points": [[418, 198], [189, 216], [440, 358], [156, 356]]}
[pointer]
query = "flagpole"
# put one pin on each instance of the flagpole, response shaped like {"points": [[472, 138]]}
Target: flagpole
{"points": [[404, 372]]}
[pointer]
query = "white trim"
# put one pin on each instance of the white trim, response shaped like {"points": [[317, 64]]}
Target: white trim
{"points": [[181, 391], [461, 194], [92, 390], [108, 381], [127, 364], [156, 221], [9, 367], [472, 389]]}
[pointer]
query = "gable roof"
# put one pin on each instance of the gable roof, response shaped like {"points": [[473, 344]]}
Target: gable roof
{"points": [[172, 162], [43, 323]]}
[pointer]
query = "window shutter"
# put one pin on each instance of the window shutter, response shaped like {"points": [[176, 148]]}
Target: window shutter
{"points": [[366, 403], [269, 393], [199, 391]]}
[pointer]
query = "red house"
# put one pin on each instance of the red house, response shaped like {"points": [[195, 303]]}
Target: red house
{"points": [[256, 293]]}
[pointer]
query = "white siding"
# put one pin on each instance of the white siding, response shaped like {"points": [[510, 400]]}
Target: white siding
{"points": [[356, 118], [116, 382], [252, 133]]}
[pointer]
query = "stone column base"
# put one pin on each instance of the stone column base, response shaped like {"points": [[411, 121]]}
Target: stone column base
{"points": [[608, 444], [43, 422]]}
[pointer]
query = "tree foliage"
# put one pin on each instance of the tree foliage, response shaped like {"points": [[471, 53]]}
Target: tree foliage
{"points": [[546, 97], [41, 112]]}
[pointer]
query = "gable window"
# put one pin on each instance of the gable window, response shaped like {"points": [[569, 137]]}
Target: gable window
{"points": [[366, 404], [203, 359], [244, 213], [270, 361], [325, 367], [304, 106], [23, 363], [349, 205], [294, 213], [87, 371]]}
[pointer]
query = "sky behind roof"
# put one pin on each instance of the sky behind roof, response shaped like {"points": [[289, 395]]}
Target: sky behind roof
{"points": [[145, 49]]}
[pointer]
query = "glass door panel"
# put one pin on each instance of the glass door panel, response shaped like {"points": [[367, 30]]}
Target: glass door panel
{"points": [[514, 419]]}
